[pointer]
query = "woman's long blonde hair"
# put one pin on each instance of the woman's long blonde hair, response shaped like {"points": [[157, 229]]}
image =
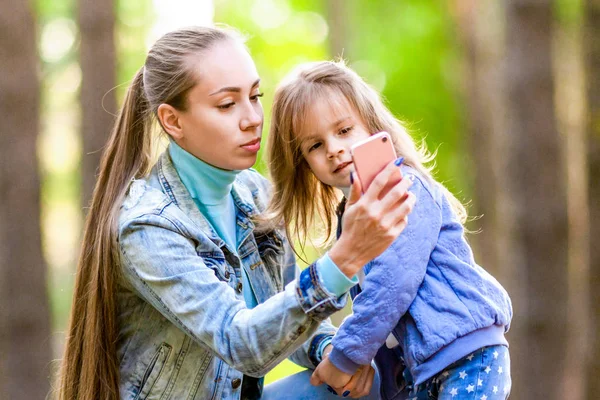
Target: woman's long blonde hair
{"points": [[299, 198], [90, 368]]}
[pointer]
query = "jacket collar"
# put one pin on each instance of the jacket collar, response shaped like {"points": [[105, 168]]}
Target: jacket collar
{"points": [[174, 188]]}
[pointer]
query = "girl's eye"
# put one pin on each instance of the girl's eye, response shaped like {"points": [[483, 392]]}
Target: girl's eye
{"points": [[256, 96], [346, 130], [225, 106], [314, 147]]}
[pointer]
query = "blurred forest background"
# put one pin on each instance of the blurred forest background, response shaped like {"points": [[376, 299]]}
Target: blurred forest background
{"points": [[507, 93]]}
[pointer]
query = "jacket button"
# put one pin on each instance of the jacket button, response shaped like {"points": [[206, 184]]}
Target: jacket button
{"points": [[236, 383], [301, 330], [239, 287], [227, 275]]}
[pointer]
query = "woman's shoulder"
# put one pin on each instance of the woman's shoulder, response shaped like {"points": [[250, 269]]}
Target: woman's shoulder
{"points": [[142, 198]]}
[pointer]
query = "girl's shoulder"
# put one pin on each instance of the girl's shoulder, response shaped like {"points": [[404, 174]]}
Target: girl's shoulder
{"points": [[422, 185]]}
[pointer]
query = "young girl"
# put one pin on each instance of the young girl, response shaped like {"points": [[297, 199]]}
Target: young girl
{"points": [[448, 315], [181, 291]]}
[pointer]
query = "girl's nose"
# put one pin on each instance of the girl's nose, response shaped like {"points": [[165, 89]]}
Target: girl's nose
{"points": [[334, 148]]}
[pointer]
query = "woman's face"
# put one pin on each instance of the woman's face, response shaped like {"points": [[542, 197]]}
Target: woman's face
{"points": [[222, 124]]}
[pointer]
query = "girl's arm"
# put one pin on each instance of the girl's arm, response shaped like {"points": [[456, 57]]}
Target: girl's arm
{"points": [[390, 286]]}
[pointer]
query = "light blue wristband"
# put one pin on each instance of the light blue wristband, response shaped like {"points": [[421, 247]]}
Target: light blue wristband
{"points": [[322, 346], [332, 278]]}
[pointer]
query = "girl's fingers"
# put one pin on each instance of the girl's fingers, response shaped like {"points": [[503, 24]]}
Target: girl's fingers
{"points": [[368, 383], [351, 385], [357, 390], [362, 386]]}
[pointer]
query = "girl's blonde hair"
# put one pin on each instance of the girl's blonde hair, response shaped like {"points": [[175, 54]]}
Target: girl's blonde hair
{"points": [[90, 368], [299, 198]]}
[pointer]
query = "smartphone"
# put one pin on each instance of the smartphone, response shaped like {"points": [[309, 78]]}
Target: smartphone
{"points": [[370, 157]]}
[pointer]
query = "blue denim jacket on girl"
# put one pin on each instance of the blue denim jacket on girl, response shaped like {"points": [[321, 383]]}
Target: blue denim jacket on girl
{"points": [[438, 303], [185, 330]]}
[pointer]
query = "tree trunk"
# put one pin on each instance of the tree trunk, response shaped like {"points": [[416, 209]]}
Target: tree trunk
{"points": [[483, 35], [592, 47], [571, 113], [538, 251], [25, 346], [337, 17], [98, 99]]}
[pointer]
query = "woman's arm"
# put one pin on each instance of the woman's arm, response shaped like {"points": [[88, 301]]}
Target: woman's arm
{"points": [[162, 265]]}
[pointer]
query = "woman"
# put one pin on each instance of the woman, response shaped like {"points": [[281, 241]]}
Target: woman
{"points": [[182, 290]]}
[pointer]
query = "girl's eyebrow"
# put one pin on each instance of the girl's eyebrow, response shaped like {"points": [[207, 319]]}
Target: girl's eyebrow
{"points": [[234, 89], [315, 136], [339, 121]]}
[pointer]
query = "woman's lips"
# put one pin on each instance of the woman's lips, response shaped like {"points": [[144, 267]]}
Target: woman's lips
{"points": [[253, 146]]}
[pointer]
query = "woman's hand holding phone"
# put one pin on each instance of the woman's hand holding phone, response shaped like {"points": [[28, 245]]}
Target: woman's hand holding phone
{"points": [[374, 220]]}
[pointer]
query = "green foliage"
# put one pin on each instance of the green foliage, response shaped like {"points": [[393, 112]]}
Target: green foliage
{"points": [[569, 12], [134, 20]]}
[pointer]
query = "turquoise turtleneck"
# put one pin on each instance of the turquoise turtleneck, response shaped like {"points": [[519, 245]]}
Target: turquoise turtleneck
{"points": [[210, 188]]}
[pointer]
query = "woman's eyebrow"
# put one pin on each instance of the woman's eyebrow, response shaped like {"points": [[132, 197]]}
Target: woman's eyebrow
{"points": [[234, 89]]}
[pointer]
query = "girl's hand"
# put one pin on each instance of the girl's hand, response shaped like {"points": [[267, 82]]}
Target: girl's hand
{"points": [[328, 373], [372, 221], [360, 383]]}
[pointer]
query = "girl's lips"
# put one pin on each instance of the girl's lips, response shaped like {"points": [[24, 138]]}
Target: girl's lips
{"points": [[253, 146], [342, 166]]}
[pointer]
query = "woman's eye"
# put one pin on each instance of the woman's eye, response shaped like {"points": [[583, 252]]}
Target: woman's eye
{"points": [[256, 96], [225, 106], [346, 130]]}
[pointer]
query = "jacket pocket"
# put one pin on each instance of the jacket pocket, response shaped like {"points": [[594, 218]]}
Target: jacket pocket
{"points": [[153, 371]]}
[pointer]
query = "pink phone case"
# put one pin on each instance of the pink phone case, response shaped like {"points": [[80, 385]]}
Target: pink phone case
{"points": [[371, 156]]}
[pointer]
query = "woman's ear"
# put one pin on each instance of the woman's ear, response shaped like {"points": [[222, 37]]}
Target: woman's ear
{"points": [[168, 117]]}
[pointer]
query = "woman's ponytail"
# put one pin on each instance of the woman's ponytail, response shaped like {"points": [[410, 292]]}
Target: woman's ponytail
{"points": [[90, 368]]}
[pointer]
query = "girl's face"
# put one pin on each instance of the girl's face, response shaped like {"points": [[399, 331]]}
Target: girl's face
{"points": [[332, 127], [223, 121]]}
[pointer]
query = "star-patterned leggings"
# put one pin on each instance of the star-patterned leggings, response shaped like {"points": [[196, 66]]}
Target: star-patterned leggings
{"points": [[482, 375]]}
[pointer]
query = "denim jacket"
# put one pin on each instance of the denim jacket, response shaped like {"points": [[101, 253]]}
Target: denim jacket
{"points": [[184, 329]]}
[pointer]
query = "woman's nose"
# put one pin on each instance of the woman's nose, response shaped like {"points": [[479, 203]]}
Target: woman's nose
{"points": [[252, 118]]}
